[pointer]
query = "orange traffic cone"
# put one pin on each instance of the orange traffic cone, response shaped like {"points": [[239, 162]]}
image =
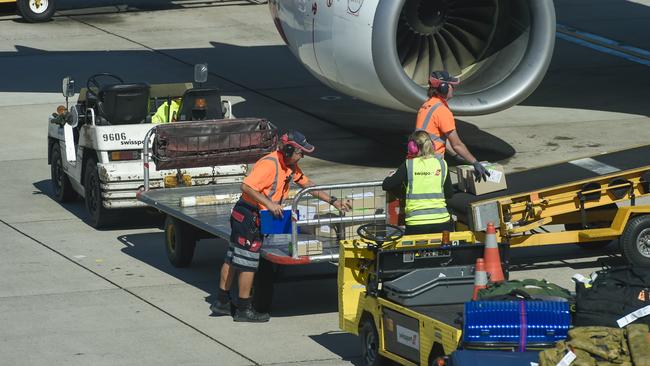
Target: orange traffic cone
{"points": [[491, 255], [480, 277]]}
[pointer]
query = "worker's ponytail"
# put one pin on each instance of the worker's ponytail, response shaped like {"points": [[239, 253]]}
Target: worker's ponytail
{"points": [[425, 145]]}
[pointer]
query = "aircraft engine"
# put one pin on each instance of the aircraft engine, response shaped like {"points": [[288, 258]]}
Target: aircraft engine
{"points": [[382, 51]]}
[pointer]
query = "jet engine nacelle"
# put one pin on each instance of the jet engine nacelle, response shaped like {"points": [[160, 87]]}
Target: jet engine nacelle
{"points": [[382, 51]]}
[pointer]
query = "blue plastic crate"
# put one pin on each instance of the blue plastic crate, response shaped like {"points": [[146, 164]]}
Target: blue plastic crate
{"points": [[269, 224], [500, 322]]}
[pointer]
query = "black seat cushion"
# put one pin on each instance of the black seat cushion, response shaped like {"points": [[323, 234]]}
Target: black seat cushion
{"points": [[121, 104], [213, 104]]}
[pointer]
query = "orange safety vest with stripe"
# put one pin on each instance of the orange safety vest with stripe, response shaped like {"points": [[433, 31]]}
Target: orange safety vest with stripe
{"points": [[435, 117], [272, 166]]}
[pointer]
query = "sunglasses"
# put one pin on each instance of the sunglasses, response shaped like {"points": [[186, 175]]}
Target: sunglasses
{"points": [[300, 153]]}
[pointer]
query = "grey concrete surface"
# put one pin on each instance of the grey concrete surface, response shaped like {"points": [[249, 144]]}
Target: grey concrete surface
{"points": [[70, 294]]}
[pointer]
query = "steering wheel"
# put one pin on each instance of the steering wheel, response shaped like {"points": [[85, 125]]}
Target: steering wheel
{"points": [[93, 83], [379, 233]]}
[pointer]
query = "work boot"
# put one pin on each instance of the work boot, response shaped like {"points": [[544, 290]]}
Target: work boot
{"points": [[223, 305], [221, 308], [246, 313]]}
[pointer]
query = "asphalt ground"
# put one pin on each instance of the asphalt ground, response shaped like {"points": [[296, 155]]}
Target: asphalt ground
{"points": [[73, 295]]}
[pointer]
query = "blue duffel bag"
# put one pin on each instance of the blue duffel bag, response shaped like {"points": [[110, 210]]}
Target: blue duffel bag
{"points": [[491, 358]]}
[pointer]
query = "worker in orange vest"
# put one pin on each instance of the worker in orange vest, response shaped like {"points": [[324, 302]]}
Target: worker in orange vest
{"points": [[435, 117], [264, 188]]}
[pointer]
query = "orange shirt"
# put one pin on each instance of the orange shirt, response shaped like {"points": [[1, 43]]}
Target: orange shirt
{"points": [[271, 176], [435, 117]]}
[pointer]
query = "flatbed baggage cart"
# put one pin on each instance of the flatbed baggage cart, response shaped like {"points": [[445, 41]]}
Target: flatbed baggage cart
{"points": [[316, 226]]}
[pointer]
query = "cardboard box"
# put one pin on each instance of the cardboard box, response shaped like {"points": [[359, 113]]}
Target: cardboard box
{"points": [[326, 230], [495, 182], [360, 202], [309, 247]]}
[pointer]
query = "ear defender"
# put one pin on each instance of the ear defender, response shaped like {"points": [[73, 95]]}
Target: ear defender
{"points": [[412, 148], [443, 88], [287, 150]]}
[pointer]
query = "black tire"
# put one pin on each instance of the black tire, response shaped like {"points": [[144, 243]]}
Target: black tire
{"points": [[98, 215], [635, 241], [263, 286], [61, 187], [35, 11], [180, 241], [370, 344]]}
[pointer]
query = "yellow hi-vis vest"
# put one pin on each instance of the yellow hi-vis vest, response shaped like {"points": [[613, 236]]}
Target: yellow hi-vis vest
{"points": [[425, 198], [163, 112]]}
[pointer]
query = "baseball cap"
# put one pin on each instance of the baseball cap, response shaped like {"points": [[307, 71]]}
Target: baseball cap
{"points": [[442, 76], [297, 139]]}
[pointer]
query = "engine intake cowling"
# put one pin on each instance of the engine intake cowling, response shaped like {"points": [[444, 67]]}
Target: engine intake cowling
{"points": [[382, 51]]}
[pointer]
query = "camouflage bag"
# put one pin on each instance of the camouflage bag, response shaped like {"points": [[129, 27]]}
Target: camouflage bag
{"points": [[528, 289], [638, 340], [597, 346]]}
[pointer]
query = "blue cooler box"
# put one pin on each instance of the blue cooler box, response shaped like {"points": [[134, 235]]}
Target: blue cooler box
{"points": [[269, 224], [516, 324]]}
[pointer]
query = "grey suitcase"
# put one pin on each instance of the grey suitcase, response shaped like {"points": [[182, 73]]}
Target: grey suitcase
{"points": [[432, 286]]}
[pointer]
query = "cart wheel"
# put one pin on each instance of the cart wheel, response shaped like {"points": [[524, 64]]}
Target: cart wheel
{"points": [[35, 11], [635, 241], [180, 241], [63, 191], [263, 286], [99, 216], [370, 344]]}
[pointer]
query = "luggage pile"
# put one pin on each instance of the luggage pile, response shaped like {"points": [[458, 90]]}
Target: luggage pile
{"points": [[534, 321]]}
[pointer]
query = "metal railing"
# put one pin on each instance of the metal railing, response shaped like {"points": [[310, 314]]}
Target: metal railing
{"points": [[145, 156], [321, 222]]}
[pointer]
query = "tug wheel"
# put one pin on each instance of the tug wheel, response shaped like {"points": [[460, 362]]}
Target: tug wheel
{"points": [[63, 191], [370, 344]]}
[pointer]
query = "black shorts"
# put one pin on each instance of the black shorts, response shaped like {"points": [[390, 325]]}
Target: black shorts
{"points": [[245, 238], [429, 228]]}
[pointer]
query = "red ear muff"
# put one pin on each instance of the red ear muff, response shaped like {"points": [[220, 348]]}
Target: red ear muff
{"points": [[412, 148]]}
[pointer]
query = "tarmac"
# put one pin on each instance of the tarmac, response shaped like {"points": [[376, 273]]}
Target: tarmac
{"points": [[73, 295]]}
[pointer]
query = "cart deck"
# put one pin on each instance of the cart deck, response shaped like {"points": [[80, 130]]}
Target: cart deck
{"points": [[215, 220]]}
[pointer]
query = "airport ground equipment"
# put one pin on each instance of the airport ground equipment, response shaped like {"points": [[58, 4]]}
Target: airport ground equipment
{"points": [[437, 316], [398, 330], [34, 11], [95, 145], [595, 199], [317, 228]]}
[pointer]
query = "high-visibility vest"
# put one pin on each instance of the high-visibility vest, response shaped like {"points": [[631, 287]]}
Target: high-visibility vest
{"points": [[163, 113], [425, 198], [277, 193]]}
